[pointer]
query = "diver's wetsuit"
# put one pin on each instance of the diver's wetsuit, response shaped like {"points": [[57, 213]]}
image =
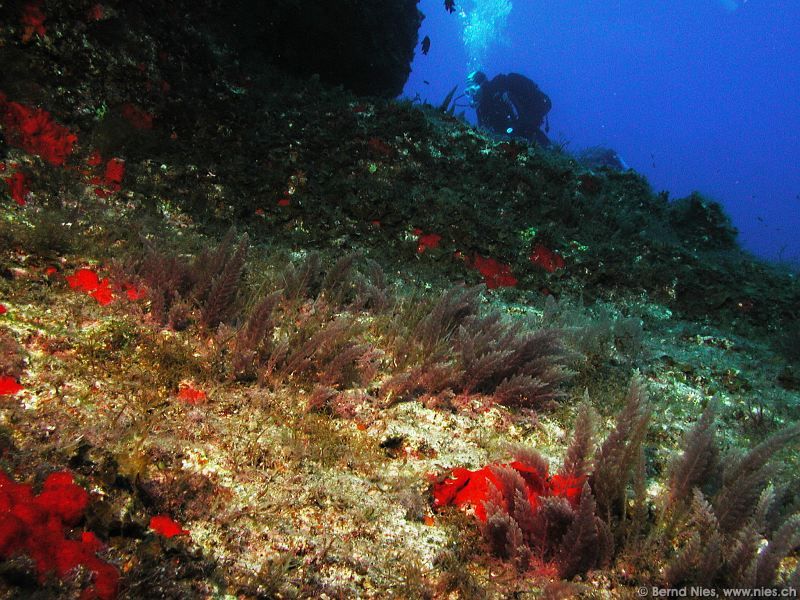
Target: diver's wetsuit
{"points": [[514, 102]]}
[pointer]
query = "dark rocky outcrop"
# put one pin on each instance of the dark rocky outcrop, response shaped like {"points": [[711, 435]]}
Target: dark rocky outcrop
{"points": [[364, 45]]}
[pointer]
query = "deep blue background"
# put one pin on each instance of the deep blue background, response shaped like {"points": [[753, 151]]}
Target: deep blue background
{"points": [[692, 94]]}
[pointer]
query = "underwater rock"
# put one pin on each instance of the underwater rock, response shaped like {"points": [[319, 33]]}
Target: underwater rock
{"points": [[702, 222], [365, 45], [598, 157]]}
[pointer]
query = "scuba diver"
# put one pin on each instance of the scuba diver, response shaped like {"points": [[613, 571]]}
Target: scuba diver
{"points": [[511, 105]]}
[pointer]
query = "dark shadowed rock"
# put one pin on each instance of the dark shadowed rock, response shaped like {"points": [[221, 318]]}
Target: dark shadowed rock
{"points": [[365, 45]]}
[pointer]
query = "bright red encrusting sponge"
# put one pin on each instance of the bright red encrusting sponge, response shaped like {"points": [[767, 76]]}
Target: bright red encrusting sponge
{"points": [[96, 12], [115, 172], [133, 293], [426, 241], [18, 187], [543, 257], [164, 525], [34, 525], [86, 280], [95, 159], [471, 488], [495, 274], [112, 175], [190, 394], [103, 294], [32, 20], [137, 116], [9, 386], [35, 131], [62, 498], [567, 486]]}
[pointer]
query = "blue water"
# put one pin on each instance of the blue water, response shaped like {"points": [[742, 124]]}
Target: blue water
{"points": [[694, 94]]}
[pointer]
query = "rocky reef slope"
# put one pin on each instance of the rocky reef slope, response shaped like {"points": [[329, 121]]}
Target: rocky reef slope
{"points": [[264, 335]]}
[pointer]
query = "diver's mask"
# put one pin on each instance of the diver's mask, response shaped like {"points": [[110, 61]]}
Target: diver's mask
{"points": [[475, 79], [473, 92]]}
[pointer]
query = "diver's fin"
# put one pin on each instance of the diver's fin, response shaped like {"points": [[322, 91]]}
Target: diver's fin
{"points": [[445, 105]]}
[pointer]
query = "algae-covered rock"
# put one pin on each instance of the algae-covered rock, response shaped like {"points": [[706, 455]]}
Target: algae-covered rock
{"points": [[702, 222]]}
